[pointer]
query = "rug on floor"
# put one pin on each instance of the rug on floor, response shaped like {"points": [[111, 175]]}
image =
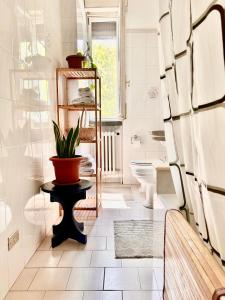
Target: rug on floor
{"points": [[139, 238]]}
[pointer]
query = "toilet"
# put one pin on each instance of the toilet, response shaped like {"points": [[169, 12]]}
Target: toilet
{"points": [[145, 174]]}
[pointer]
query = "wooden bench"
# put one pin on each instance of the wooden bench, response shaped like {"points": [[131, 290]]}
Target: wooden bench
{"points": [[190, 271]]}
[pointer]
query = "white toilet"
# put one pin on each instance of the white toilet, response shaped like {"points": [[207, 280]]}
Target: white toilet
{"points": [[145, 173]]}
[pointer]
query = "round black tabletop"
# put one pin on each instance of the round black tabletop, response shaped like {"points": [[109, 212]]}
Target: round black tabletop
{"points": [[80, 186]]}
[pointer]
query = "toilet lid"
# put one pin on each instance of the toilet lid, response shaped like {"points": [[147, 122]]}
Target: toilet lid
{"points": [[141, 163]]}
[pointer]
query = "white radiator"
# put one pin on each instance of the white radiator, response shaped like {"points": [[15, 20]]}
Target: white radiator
{"points": [[109, 152]]}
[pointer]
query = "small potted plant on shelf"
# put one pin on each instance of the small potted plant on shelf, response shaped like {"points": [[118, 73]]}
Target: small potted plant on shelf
{"points": [[76, 60], [66, 163]]}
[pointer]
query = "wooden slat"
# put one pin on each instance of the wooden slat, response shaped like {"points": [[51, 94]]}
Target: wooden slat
{"points": [[84, 73], [191, 272]]}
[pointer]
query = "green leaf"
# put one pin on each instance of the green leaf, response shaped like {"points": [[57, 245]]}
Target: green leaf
{"points": [[68, 141], [65, 145], [74, 140]]}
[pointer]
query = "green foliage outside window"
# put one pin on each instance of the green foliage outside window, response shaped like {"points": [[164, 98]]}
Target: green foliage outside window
{"points": [[105, 57]]}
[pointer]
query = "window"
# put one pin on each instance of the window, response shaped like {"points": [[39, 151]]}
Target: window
{"points": [[105, 55]]}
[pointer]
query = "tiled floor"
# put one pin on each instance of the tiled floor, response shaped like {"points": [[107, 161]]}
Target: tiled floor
{"points": [[73, 271]]}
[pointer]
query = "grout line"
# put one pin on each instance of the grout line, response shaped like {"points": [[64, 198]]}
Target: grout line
{"points": [[104, 279], [38, 269], [60, 259], [45, 292], [92, 252], [68, 278]]}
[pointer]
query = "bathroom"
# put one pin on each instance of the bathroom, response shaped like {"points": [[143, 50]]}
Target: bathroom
{"points": [[158, 160]]}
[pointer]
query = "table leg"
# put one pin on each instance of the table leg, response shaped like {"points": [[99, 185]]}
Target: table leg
{"points": [[69, 227]]}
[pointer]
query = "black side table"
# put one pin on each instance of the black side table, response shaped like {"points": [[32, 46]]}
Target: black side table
{"points": [[67, 196]]}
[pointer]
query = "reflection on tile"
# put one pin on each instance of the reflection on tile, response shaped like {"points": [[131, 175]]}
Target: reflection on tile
{"points": [[24, 280], [105, 259], [86, 279], [106, 295], [51, 279], [110, 243], [75, 259], [141, 295], [147, 279], [63, 295], [44, 259], [159, 278], [121, 279], [25, 295], [142, 263]]}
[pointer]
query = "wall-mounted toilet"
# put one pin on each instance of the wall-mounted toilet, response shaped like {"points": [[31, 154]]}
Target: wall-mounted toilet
{"points": [[145, 174]]}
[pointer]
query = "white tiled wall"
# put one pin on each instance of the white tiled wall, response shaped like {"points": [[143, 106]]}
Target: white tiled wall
{"points": [[143, 112], [28, 29]]}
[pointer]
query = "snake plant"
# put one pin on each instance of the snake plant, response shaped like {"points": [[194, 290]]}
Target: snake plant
{"points": [[66, 145]]}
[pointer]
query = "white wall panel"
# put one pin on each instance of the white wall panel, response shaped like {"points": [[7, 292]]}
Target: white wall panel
{"points": [[164, 6], [167, 42], [184, 83], [180, 12], [172, 91], [178, 139], [178, 185], [199, 7], [165, 99], [212, 128], [208, 47], [172, 155], [31, 48], [187, 141]]}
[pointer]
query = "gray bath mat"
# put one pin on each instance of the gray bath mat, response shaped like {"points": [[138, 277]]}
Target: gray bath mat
{"points": [[139, 238]]}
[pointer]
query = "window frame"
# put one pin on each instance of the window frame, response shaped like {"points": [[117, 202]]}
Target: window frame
{"points": [[118, 97]]}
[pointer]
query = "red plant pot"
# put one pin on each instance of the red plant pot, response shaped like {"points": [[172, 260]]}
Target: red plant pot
{"points": [[67, 170], [75, 61]]}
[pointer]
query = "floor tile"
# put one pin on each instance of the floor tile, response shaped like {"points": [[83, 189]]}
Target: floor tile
{"points": [[141, 295], [106, 295], [110, 244], [99, 230], [159, 275], [105, 259], [24, 280], [86, 279], [43, 259], [24, 295], [121, 279], [63, 295], [51, 279], [46, 243], [147, 279], [142, 263], [75, 259], [93, 243], [69, 245], [96, 243]]}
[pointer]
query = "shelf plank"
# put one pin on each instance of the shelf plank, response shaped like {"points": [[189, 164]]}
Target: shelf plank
{"points": [[80, 107], [86, 176], [87, 204], [83, 73], [88, 142]]}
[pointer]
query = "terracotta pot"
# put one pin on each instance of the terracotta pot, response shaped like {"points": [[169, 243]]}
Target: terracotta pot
{"points": [[67, 170], [75, 61]]}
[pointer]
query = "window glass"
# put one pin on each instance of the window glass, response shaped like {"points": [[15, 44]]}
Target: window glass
{"points": [[105, 56]]}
